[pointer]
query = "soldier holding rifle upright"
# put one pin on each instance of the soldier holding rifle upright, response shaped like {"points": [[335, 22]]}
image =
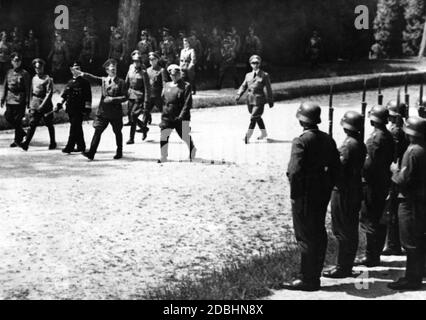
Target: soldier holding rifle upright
{"points": [[410, 178], [376, 174], [313, 171]]}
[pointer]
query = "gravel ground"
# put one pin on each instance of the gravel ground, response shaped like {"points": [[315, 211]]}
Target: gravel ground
{"points": [[73, 229]]}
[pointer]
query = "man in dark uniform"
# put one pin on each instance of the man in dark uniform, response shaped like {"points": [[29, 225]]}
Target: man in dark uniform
{"points": [[4, 55], [168, 48], [31, 49], [228, 64], [17, 45], [188, 61], [41, 106], [110, 109], [138, 86], [346, 197], [313, 171], [78, 98], [253, 45], [16, 97], [145, 47], [256, 82], [157, 78], [396, 112], [314, 49], [376, 174], [176, 114], [116, 50], [88, 50], [411, 181]]}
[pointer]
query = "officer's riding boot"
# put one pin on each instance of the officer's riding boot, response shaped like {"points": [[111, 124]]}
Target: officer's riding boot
{"points": [[250, 131], [393, 244], [264, 133], [119, 142], [413, 272], [52, 145], [372, 257], [94, 145], [132, 134], [30, 134]]}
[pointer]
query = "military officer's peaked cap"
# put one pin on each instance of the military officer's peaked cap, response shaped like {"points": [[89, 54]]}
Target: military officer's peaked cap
{"points": [[109, 62], [153, 55], [144, 32], [75, 65], [16, 55], [255, 58], [37, 61], [173, 69]]}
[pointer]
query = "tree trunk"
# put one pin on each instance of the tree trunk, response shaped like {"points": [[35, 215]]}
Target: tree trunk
{"points": [[423, 44], [128, 21]]}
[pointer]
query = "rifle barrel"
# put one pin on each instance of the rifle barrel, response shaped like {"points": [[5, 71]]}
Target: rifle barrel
{"points": [[330, 113]]}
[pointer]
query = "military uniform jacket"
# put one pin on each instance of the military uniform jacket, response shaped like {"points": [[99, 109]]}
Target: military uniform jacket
{"points": [[314, 166], [401, 143], [76, 94], [17, 86], [380, 154], [256, 85], [177, 101], [31, 48], [228, 56], [116, 50], [188, 59], [4, 51], [88, 49], [411, 178], [42, 91], [138, 86], [145, 47], [168, 50], [113, 88], [157, 79], [352, 157], [253, 45]]}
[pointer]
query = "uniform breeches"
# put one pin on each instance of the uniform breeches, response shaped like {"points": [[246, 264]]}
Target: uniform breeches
{"points": [[76, 135], [256, 113], [345, 206], [183, 130], [14, 115], [311, 235], [100, 124], [135, 109], [412, 217], [372, 210], [35, 117]]}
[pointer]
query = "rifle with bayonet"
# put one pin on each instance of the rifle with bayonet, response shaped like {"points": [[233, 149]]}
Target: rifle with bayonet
{"points": [[380, 95], [407, 98], [364, 108], [422, 109], [330, 113]]}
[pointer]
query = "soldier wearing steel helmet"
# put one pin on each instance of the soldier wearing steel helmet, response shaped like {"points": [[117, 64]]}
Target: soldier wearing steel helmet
{"points": [[41, 104], [256, 83], [139, 92], [347, 195], [312, 172], [376, 174], [411, 181], [396, 113]]}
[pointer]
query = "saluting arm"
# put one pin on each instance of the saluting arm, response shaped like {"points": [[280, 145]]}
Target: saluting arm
{"points": [[91, 76]]}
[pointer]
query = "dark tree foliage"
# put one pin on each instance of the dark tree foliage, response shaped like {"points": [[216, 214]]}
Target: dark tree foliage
{"points": [[414, 11]]}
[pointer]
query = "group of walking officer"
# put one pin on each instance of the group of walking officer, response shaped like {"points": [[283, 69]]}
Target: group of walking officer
{"points": [[379, 185]]}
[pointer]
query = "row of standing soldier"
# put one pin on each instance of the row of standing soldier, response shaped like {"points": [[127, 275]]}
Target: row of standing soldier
{"points": [[215, 52], [380, 185]]}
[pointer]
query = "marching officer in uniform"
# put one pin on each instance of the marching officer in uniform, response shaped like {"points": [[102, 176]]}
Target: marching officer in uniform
{"points": [[116, 49], [110, 109], [255, 83], [145, 47], [157, 78], [78, 98], [41, 107], [411, 181], [312, 172], [396, 112], [138, 86], [188, 61], [176, 114], [377, 177], [346, 197], [253, 45], [31, 49], [16, 97], [214, 55]]}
